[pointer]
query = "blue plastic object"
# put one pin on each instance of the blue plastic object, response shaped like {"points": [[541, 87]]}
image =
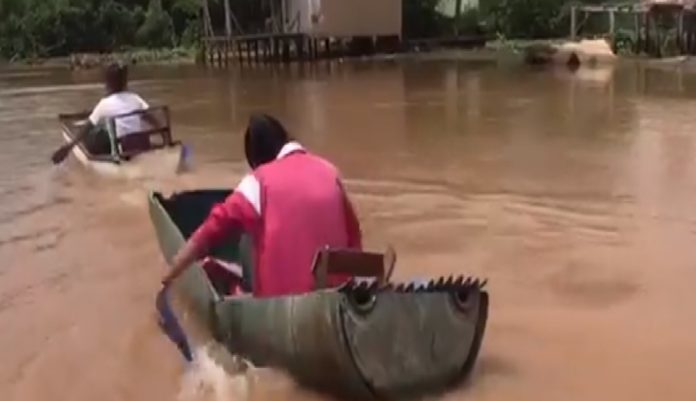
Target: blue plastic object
{"points": [[170, 324]]}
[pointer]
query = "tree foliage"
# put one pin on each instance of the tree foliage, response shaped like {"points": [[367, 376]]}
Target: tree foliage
{"points": [[40, 28], [528, 18], [422, 20], [158, 28]]}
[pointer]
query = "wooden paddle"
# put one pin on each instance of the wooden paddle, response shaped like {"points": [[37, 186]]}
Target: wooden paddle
{"points": [[63, 152], [170, 325]]}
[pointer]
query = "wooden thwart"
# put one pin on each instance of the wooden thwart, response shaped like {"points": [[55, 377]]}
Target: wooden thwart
{"points": [[355, 263]]}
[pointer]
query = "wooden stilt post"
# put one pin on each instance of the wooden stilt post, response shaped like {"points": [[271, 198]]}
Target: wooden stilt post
{"points": [[264, 55], [299, 46], [680, 32], [636, 26], [283, 9], [648, 40], [573, 22], [207, 22], [656, 31], [226, 51], [228, 23], [612, 29], [286, 51], [690, 32], [457, 15], [612, 22], [687, 32], [204, 50], [219, 53]]}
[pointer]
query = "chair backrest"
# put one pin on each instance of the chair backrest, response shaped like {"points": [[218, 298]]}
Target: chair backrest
{"points": [[156, 132], [357, 264]]}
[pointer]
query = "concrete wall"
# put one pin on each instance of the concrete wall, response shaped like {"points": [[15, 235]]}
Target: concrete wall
{"points": [[344, 17]]}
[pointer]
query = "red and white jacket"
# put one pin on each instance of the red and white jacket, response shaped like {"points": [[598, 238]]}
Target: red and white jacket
{"points": [[292, 207]]}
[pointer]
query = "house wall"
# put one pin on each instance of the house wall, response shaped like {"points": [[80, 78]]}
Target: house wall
{"points": [[344, 17]]}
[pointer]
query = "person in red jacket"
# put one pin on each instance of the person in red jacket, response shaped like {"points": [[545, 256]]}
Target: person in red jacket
{"points": [[292, 204]]}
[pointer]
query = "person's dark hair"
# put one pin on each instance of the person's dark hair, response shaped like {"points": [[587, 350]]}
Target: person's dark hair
{"points": [[264, 138], [116, 77]]}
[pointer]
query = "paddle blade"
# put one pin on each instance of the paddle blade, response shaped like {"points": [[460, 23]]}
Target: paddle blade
{"points": [[184, 159], [170, 325], [60, 154]]}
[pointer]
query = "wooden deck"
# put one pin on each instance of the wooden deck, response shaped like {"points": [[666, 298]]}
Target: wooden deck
{"points": [[289, 47]]}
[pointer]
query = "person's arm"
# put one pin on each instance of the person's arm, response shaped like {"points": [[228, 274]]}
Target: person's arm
{"points": [[239, 212], [92, 121], [95, 117], [59, 155], [183, 259], [352, 222], [85, 129]]}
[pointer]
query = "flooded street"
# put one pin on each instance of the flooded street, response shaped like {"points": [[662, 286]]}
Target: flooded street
{"points": [[575, 195]]}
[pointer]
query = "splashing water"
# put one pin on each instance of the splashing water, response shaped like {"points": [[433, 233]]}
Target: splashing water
{"points": [[159, 163], [214, 375]]}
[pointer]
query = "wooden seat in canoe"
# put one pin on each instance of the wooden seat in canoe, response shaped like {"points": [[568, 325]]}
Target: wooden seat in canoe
{"points": [[353, 263]]}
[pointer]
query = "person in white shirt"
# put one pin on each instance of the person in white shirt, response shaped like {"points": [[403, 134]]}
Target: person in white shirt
{"points": [[118, 101]]}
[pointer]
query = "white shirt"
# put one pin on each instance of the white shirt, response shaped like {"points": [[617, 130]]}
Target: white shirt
{"points": [[117, 104]]}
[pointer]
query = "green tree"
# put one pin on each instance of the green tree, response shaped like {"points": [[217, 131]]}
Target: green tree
{"points": [[185, 17], [528, 18], [421, 19], [158, 28]]}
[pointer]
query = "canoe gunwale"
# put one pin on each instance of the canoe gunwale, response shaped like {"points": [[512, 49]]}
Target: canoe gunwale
{"points": [[170, 239], [69, 135]]}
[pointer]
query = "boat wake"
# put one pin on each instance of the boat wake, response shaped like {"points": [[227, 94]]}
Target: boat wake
{"points": [[215, 375], [159, 164]]}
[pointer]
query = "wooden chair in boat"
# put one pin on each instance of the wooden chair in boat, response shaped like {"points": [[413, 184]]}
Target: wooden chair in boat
{"points": [[353, 263], [158, 136], [130, 145]]}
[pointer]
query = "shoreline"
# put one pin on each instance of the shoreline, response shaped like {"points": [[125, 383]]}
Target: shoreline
{"points": [[86, 61], [493, 52]]}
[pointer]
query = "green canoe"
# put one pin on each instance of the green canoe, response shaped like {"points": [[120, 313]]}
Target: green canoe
{"points": [[368, 339]]}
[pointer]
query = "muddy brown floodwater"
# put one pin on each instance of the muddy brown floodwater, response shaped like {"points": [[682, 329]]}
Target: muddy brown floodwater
{"points": [[574, 194]]}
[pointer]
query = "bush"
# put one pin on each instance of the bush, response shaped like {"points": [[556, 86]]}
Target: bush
{"points": [[12, 43], [40, 28], [470, 23], [532, 19], [422, 20], [158, 28], [187, 25], [120, 23]]}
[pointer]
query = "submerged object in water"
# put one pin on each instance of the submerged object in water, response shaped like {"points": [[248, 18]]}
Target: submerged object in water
{"points": [[572, 54], [368, 338]]}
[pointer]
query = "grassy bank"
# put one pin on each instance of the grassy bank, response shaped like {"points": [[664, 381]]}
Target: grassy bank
{"points": [[178, 55]]}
